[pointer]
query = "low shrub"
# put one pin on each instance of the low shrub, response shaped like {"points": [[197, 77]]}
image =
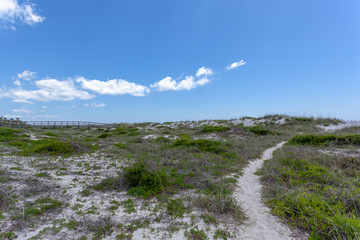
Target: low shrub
{"points": [[175, 208], [146, 182], [259, 130], [53, 148], [104, 135], [7, 134], [110, 183], [218, 199], [195, 234], [211, 129], [323, 219], [325, 140], [41, 206], [206, 145], [303, 119]]}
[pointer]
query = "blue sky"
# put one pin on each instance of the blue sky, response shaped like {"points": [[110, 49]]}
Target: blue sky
{"points": [[168, 60]]}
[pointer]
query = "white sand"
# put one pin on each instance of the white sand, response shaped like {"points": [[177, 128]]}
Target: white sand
{"points": [[261, 224], [340, 126]]}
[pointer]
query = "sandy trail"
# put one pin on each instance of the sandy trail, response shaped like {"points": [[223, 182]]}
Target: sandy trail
{"points": [[261, 224]]}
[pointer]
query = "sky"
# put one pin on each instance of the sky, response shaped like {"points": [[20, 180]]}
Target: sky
{"points": [[169, 60]]}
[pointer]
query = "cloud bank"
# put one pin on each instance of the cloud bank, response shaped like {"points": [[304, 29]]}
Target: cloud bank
{"points": [[47, 90]]}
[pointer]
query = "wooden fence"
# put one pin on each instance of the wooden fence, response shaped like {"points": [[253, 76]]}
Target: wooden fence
{"points": [[51, 124]]}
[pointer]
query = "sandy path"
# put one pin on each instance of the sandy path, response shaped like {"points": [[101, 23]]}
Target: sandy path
{"points": [[261, 224]]}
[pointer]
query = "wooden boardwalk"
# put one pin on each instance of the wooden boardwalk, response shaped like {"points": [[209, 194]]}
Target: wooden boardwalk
{"points": [[51, 124]]}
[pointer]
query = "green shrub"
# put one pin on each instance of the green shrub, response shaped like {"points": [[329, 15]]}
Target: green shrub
{"points": [[210, 129], [50, 134], [145, 182], [7, 134], [54, 148], [324, 219], [205, 145], [41, 206], [120, 145], [110, 183], [120, 130], [175, 208], [222, 234], [218, 199], [303, 119], [129, 206], [133, 133], [104, 135], [162, 140], [259, 130], [325, 140], [18, 143], [195, 234]]}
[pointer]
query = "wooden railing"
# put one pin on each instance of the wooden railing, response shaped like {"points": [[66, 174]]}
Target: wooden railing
{"points": [[51, 124]]}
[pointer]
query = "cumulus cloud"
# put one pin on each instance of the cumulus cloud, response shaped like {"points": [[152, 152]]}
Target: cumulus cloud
{"points": [[48, 90], [235, 65], [188, 83], [11, 11], [169, 84], [113, 87], [96, 105], [21, 110], [26, 75], [203, 71]]}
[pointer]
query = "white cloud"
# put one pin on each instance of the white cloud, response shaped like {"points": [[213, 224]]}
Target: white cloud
{"points": [[26, 75], [13, 116], [203, 71], [38, 116], [11, 11], [113, 87], [17, 82], [43, 107], [169, 84], [21, 110], [48, 90], [188, 83], [99, 105], [235, 65]]}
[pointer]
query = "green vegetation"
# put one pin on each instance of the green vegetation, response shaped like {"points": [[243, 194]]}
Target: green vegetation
{"points": [[222, 234], [259, 130], [175, 208], [6, 134], [218, 200], [205, 145], [316, 192], [41, 206], [129, 206], [318, 140], [104, 135], [195, 234], [303, 119], [210, 129], [311, 191], [146, 182]]}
